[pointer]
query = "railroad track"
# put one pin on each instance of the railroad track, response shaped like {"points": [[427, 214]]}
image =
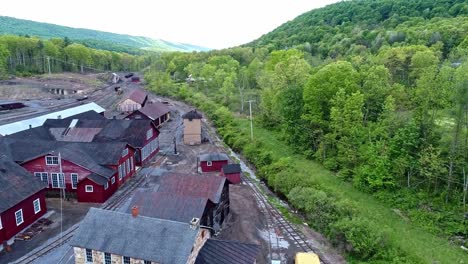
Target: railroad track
{"points": [[113, 204], [275, 220]]}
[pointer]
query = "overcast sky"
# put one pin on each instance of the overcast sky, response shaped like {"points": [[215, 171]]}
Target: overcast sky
{"points": [[209, 23]]}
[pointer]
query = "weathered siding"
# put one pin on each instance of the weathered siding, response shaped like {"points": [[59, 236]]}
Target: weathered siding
{"points": [[215, 165], [10, 229], [129, 105], [221, 210], [233, 178], [202, 236], [192, 131], [99, 195]]}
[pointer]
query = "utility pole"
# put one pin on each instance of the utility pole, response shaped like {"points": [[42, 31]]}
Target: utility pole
{"points": [[61, 182], [251, 120], [48, 63]]}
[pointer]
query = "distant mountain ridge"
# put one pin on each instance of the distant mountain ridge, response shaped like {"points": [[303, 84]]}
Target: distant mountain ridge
{"points": [[92, 38]]}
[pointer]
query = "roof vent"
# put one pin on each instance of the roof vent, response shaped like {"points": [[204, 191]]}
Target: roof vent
{"points": [[135, 211], [195, 223]]}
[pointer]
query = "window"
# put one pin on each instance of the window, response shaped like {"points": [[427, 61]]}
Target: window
{"points": [[107, 258], [37, 206], [74, 180], [43, 176], [125, 152], [147, 262], [128, 166], [120, 172], [19, 217], [89, 255], [113, 180], [89, 188], [209, 163], [126, 260], [131, 163], [149, 133], [106, 186], [57, 180], [1, 223], [51, 160]]}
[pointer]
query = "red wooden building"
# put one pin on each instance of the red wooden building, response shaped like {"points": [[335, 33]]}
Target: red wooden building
{"points": [[232, 172], [157, 112], [91, 172], [22, 200], [213, 162]]}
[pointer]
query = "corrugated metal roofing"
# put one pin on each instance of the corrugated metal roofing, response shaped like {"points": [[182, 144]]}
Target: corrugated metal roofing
{"points": [[216, 251], [154, 110], [16, 184], [207, 186], [141, 237], [214, 156], [232, 168], [169, 206], [38, 121], [76, 134]]}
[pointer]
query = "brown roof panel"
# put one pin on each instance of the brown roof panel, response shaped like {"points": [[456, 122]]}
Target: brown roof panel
{"points": [[154, 110], [216, 251], [137, 95]]}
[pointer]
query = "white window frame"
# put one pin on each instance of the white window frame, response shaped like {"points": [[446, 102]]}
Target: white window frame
{"points": [[104, 257], [38, 202], [128, 166], [209, 163], [124, 152], [131, 163], [60, 180], [86, 256], [71, 179], [16, 217], [52, 159], [106, 186], [149, 134], [1, 226], [123, 260], [120, 172], [41, 175], [113, 180], [86, 188]]}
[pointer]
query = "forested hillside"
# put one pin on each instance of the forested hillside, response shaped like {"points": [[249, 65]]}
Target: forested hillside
{"points": [[26, 55], [91, 38], [361, 116]]}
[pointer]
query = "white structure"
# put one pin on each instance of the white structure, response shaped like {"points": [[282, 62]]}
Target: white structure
{"points": [[38, 121]]}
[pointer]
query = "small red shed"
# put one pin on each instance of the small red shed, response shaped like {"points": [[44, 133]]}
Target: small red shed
{"points": [[213, 162], [232, 172], [22, 199]]}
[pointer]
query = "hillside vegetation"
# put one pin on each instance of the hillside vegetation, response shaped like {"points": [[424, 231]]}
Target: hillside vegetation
{"points": [[361, 111], [91, 38]]}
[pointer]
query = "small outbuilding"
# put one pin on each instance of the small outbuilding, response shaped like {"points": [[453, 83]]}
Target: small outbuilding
{"points": [[213, 162], [192, 127], [133, 100], [157, 112], [232, 172]]}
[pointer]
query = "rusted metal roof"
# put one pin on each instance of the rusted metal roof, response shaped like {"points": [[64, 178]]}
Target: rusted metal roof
{"points": [[16, 184], [216, 251], [192, 185], [169, 206], [154, 110], [137, 95]]}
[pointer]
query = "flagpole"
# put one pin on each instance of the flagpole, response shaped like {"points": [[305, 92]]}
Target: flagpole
{"points": [[61, 180]]}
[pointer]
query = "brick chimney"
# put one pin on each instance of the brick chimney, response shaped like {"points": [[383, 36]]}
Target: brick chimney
{"points": [[195, 223], [135, 211]]}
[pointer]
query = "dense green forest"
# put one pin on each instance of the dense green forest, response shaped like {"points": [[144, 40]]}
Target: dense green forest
{"points": [[91, 38], [374, 91], [27, 55]]}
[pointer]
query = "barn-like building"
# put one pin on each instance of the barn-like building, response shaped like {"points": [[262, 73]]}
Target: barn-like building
{"points": [[192, 128], [212, 162], [232, 172], [157, 112], [22, 200], [133, 100]]}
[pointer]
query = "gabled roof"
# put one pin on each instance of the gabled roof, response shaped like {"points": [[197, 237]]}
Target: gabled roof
{"points": [[213, 156], [97, 179], [206, 186], [216, 251], [192, 115], [131, 131], [137, 95], [140, 237], [232, 168], [169, 206], [16, 184], [154, 110], [11, 128]]}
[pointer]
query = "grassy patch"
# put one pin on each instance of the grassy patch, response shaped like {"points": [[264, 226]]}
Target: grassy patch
{"points": [[419, 245]]}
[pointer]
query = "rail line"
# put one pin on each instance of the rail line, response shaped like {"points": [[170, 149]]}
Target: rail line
{"points": [[277, 219], [114, 203]]}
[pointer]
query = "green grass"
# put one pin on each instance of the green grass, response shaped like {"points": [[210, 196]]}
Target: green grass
{"points": [[414, 241]]}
